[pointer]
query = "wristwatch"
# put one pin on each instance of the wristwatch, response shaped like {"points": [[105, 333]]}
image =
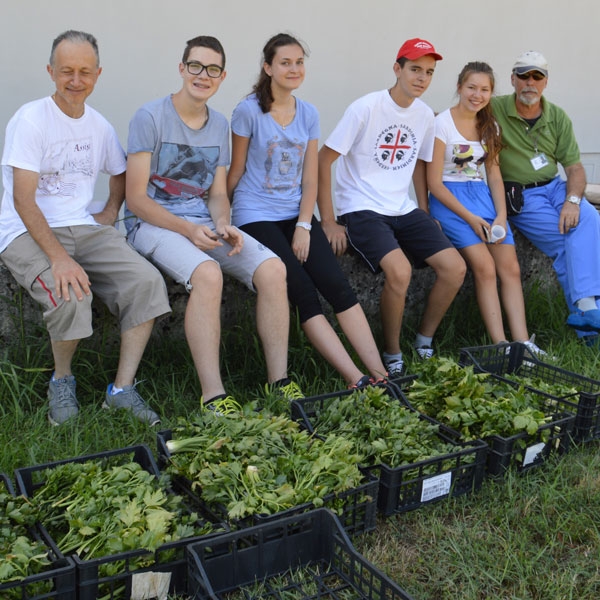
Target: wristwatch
{"points": [[304, 225], [574, 200]]}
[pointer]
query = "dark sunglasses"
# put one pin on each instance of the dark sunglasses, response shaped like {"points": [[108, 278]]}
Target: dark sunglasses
{"points": [[537, 76]]}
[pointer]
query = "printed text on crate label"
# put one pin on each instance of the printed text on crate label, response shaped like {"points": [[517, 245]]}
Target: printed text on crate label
{"points": [[437, 486]]}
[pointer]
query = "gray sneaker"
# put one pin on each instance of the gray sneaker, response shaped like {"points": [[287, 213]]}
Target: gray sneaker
{"points": [[63, 400], [129, 399]]}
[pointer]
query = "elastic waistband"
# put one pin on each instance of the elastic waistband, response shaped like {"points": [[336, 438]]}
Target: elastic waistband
{"points": [[537, 184]]}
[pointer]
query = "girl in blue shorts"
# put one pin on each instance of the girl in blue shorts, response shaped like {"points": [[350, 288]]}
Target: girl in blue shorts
{"points": [[467, 140]]}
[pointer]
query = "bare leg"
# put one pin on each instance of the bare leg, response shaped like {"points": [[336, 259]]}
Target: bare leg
{"points": [[486, 289], [63, 352], [133, 344], [273, 316], [397, 270], [356, 327], [203, 326], [450, 270], [325, 340], [511, 290]]}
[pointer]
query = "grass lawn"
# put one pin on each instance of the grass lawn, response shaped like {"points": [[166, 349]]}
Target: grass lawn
{"points": [[531, 536]]}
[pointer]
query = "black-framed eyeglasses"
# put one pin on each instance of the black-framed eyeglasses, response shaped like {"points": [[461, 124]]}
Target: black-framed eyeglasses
{"points": [[537, 76], [195, 68]]}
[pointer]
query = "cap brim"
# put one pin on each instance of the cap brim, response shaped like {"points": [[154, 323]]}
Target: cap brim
{"points": [[528, 69]]}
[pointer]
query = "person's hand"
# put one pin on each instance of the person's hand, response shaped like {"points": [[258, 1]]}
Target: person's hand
{"points": [[203, 237], [233, 236], [336, 235], [569, 217], [481, 227], [106, 217], [68, 272], [301, 244]]}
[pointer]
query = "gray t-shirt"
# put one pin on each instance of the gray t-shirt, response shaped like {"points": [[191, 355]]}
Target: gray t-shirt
{"points": [[184, 160]]}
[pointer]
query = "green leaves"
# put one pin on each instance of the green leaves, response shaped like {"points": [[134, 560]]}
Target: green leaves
{"points": [[380, 428], [264, 464], [475, 404]]}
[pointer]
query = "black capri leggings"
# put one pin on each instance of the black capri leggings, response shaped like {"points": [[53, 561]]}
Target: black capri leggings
{"points": [[320, 272]]}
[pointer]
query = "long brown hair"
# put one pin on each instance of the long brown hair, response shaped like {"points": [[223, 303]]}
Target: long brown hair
{"points": [[262, 88], [488, 128]]}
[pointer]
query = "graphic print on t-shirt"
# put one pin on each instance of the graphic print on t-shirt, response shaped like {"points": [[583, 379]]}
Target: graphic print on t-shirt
{"points": [[463, 157], [283, 165], [66, 162], [184, 171], [395, 148]]}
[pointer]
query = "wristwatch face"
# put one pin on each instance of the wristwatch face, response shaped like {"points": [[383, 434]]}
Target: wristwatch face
{"points": [[574, 199]]}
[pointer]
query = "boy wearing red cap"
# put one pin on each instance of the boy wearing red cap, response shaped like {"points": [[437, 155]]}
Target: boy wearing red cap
{"points": [[382, 143]]}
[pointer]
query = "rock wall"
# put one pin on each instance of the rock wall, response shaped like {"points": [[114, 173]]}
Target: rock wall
{"points": [[19, 316]]}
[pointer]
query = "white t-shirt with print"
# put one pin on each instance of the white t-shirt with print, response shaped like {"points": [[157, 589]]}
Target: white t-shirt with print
{"points": [[67, 153], [380, 143], [463, 159]]}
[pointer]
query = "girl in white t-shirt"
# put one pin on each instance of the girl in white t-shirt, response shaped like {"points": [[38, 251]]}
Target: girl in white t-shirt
{"points": [[273, 185], [467, 140]]}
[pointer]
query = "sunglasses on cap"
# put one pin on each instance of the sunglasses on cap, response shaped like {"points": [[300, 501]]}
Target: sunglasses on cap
{"points": [[537, 76]]}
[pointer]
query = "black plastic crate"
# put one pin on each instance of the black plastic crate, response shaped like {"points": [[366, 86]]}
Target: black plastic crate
{"points": [[356, 508], [168, 566], [513, 359], [408, 487], [57, 582], [270, 554]]}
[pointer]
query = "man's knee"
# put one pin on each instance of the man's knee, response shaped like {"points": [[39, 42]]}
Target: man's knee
{"points": [[449, 265], [207, 275], [270, 273]]}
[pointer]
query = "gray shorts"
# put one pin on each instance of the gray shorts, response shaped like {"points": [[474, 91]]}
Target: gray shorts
{"points": [[129, 285], [176, 256]]}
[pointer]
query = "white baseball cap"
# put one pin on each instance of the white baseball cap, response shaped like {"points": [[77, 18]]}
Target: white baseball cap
{"points": [[531, 61]]}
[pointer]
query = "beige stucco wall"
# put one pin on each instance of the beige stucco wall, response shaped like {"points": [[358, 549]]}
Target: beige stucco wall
{"points": [[353, 45]]}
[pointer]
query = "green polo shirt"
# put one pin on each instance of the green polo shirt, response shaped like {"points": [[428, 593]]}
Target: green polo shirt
{"points": [[552, 135]]}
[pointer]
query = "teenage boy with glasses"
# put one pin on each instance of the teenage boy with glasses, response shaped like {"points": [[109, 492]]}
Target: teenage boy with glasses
{"points": [[178, 153], [538, 135]]}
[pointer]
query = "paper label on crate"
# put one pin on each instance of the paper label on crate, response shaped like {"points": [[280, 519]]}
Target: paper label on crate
{"points": [[437, 486], [532, 452], [150, 586]]}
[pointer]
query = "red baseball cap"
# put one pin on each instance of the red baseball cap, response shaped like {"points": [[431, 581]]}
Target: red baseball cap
{"points": [[415, 48]]}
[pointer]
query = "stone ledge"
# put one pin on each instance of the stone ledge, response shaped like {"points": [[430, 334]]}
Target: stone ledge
{"points": [[19, 313]]}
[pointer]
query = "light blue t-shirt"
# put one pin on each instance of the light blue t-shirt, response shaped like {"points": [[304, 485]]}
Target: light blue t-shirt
{"points": [[271, 187], [184, 160]]}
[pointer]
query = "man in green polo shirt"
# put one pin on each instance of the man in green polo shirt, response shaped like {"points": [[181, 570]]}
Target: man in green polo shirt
{"points": [[538, 135]]}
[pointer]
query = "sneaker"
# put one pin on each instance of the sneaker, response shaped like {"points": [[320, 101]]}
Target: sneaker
{"points": [[222, 405], [394, 366], [425, 352], [290, 391], [63, 401], [591, 340], [363, 382], [533, 349], [588, 320], [129, 399]]}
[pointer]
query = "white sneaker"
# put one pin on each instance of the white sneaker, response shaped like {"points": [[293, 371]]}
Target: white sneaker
{"points": [[533, 349], [425, 352]]}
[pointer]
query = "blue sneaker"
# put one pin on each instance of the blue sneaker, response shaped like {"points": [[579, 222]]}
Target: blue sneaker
{"points": [[588, 320]]}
